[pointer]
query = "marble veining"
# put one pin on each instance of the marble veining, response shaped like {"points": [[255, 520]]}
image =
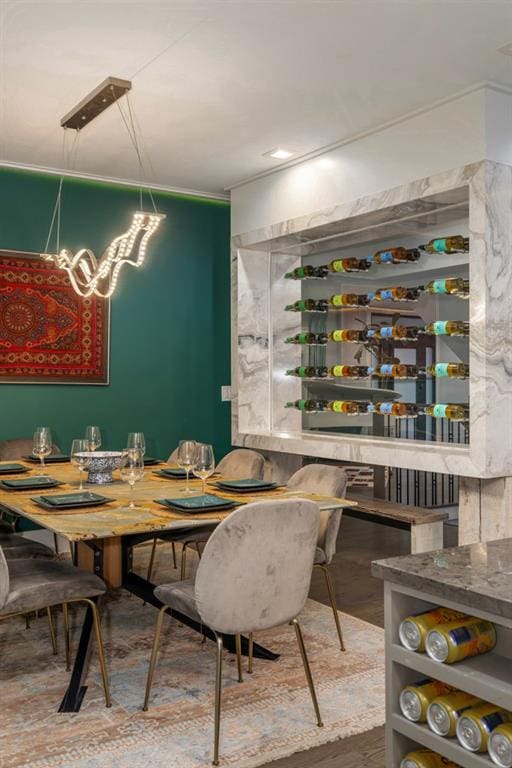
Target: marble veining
{"points": [[479, 575]]}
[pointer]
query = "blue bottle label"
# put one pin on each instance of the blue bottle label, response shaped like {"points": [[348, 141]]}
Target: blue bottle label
{"points": [[441, 369], [386, 294], [371, 370], [439, 286], [370, 408], [439, 245], [370, 296], [386, 369], [370, 333], [386, 332], [371, 258], [386, 257], [440, 327], [386, 408], [439, 410]]}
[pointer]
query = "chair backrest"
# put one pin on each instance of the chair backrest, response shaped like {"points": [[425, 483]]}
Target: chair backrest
{"points": [[173, 458], [242, 463], [21, 446], [327, 481], [4, 579], [255, 570]]}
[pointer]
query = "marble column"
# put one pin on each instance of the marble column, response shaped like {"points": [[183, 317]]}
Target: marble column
{"points": [[485, 509]]}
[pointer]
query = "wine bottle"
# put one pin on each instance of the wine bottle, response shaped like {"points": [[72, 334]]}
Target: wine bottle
{"points": [[448, 328], [348, 334], [311, 406], [455, 286], [452, 411], [399, 255], [399, 410], [397, 293], [397, 371], [340, 300], [307, 305], [300, 273], [450, 244], [452, 370], [349, 265], [348, 407], [309, 371], [351, 371], [393, 332], [306, 337]]}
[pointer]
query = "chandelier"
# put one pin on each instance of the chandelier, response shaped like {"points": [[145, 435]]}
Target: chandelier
{"points": [[89, 275]]}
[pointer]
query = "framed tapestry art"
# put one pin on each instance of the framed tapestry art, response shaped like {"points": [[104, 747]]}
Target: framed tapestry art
{"points": [[48, 333]]}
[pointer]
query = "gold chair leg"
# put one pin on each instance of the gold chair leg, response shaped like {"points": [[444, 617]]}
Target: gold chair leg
{"points": [[332, 599], [52, 631], [251, 653], [238, 644], [65, 616], [27, 621], [151, 560], [307, 670], [183, 561], [218, 697], [174, 561], [154, 654], [101, 652]]}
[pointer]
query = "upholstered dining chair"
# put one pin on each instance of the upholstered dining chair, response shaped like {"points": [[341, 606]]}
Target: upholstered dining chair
{"points": [[239, 464], [327, 481], [28, 585], [254, 574]]}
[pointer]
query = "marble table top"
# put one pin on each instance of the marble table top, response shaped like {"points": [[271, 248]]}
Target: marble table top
{"points": [[477, 575]]}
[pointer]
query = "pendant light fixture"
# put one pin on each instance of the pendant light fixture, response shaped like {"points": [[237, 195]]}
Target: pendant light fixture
{"points": [[89, 275]]}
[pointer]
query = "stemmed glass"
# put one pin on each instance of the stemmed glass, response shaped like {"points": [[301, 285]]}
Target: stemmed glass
{"points": [[42, 445], [93, 437], [186, 458], [204, 465], [132, 469], [79, 449], [136, 441]]}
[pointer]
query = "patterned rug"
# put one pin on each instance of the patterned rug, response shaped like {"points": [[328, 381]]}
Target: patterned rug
{"points": [[268, 716]]}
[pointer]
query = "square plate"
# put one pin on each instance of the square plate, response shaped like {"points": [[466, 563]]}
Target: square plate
{"points": [[198, 504], [55, 458], [71, 500], [149, 461], [171, 473], [29, 483], [13, 469], [250, 484]]}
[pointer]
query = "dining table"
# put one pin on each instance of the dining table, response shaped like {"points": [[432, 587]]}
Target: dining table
{"points": [[103, 537]]}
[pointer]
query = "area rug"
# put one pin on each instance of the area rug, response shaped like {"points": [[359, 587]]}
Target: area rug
{"points": [[266, 717]]}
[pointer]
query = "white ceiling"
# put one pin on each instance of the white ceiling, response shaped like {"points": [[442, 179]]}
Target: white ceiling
{"points": [[216, 84]]}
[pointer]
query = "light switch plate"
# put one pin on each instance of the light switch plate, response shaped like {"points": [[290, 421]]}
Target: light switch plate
{"points": [[225, 393]]}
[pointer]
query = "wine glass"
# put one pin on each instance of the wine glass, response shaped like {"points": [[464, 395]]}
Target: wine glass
{"points": [[186, 458], [204, 465], [79, 449], [93, 437], [42, 445], [136, 441], [132, 469]]}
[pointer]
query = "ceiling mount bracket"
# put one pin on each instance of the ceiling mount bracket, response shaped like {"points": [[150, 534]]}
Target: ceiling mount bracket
{"points": [[96, 102]]}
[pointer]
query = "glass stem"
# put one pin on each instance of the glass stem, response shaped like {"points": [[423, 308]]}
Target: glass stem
{"points": [[81, 482], [187, 486], [204, 485], [42, 465], [132, 501]]}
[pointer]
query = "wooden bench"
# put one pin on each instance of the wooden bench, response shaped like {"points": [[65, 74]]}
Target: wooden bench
{"points": [[426, 525]]}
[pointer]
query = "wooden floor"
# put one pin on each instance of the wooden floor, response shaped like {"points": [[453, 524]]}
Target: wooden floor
{"points": [[359, 594]]}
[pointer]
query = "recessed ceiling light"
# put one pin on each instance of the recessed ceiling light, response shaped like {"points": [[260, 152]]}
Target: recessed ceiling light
{"points": [[278, 153], [506, 49]]}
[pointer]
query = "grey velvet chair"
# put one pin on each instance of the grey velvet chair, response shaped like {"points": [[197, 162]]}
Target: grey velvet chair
{"points": [[254, 574], [28, 585], [241, 464], [327, 481]]}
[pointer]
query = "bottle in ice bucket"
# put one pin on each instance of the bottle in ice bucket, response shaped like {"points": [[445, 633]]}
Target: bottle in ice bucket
{"points": [[415, 698], [443, 713], [476, 725], [500, 745], [413, 629], [425, 758], [459, 639]]}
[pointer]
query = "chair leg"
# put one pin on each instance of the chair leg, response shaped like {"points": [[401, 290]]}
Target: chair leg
{"points": [[218, 697], [154, 654], [65, 616], [251, 653], [56, 543], [332, 599], [174, 562], [183, 561], [238, 644], [101, 652], [151, 560], [27, 621], [52, 630], [307, 670]]}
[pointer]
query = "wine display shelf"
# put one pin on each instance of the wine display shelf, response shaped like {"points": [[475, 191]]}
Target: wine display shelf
{"points": [[488, 676], [474, 201]]}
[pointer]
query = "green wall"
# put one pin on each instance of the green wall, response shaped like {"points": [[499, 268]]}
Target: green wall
{"points": [[170, 320]]}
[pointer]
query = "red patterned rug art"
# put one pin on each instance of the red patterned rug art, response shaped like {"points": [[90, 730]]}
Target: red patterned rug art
{"points": [[48, 333]]}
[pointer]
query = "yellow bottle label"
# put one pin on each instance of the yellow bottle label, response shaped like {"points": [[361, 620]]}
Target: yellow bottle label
{"points": [[338, 406], [338, 370], [338, 335]]}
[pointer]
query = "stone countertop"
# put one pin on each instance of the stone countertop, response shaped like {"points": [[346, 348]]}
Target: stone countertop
{"points": [[478, 575]]}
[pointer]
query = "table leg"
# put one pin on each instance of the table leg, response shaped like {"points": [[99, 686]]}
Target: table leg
{"points": [[102, 558], [74, 695]]}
